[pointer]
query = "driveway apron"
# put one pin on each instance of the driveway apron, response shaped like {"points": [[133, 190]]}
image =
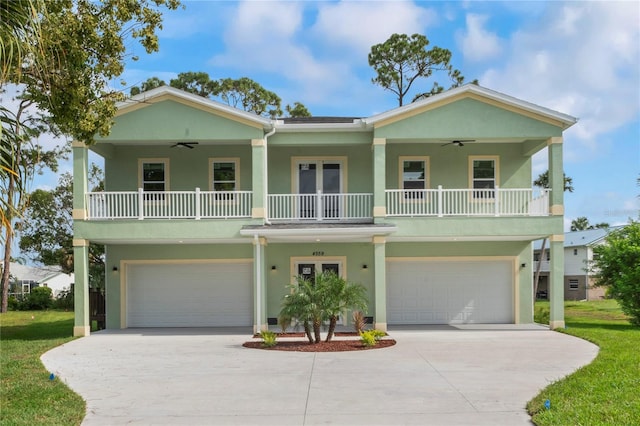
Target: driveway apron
{"points": [[442, 375]]}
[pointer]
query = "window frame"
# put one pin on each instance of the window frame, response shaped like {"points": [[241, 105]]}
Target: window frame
{"points": [[141, 181], [496, 176], [217, 196], [426, 181]]}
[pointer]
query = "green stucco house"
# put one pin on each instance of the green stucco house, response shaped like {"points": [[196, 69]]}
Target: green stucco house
{"points": [[209, 211]]}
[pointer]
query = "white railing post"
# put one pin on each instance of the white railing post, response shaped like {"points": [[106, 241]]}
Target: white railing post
{"points": [[319, 206], [197, 204], [496, 201], [140, 204], [440, 209]]}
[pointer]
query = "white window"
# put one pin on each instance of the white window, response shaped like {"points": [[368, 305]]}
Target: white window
{"points": [[483, 173], [414, 176], [573, 284], [224, 174], [153, 174]]}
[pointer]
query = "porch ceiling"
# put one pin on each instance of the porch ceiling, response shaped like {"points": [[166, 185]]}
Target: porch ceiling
{"points": [[326, 233]]}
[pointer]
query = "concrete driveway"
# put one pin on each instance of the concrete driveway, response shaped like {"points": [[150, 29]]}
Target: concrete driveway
{"points": [[481, 375]]}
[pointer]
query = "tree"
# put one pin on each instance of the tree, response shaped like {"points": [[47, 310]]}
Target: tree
{"points": [[403, 59], [302, 305], [150, 84], [543, 182], [297, 110], [46, 232], [616, 265], [582, 224], [197, 83], [340, 296], [63, 53]]}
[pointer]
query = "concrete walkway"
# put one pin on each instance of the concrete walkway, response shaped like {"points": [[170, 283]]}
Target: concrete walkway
{"points": [[444, 375]]}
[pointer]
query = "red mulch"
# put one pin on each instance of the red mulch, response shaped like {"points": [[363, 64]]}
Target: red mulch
{"points": [[332, 346]]}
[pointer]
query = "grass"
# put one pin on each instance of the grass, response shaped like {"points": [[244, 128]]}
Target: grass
{"points": [[27, 395], [605, 392]]}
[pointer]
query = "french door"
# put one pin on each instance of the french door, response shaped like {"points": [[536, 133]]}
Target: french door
{"points": [[307, 270], [319, 185]]}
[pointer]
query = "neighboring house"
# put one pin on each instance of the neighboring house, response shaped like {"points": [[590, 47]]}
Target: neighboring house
{"points": [[29, 277], [209, 211], [578, 252]]}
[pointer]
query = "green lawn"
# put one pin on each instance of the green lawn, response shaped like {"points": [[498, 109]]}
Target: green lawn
{"points": [[27, 395], [605, 392]]}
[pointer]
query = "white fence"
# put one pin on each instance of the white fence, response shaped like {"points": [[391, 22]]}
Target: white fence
{"points": [[467, 202], [169, 205], [320, 207]]}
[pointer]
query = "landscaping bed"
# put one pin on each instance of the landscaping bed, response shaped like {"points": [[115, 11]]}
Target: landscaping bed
{"points": [[343, 342]]}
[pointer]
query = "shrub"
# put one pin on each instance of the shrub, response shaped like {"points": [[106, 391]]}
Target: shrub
{"points": [[368, 338], [64, 300], [268, 338], [359, 321], [38, 299], [284, 322], [13, 304]]}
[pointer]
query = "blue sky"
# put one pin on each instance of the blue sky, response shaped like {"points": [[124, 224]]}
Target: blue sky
{"points": [[580, 58]]}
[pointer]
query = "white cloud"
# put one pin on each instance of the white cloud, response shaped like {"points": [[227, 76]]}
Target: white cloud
{"points": [[359, 25], [581, 58], [476, 42]]}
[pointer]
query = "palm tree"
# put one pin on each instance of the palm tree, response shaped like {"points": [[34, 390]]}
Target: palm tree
{"points": [[340, 296], [301, 305]]}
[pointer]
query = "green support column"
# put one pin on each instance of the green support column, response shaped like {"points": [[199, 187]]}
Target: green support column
{"points": [[380, 282], [379, 179], [556, 282], [82, 323], [556, 176], [260, 285], [80, 177], [257, 179]]}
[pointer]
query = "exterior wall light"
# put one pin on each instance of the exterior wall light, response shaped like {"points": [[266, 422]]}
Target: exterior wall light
{"points": [[115, 269]]}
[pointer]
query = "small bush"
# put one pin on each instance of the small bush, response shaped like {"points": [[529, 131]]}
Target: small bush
{"points": [[284, 322], [378, 334], [368, 338], [38, 299], [541, 314], [268, 338], [359, 321], [64, 300], [13, 304]]}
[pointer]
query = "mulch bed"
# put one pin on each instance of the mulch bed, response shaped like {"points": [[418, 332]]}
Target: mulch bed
{"points": [[333, 346]]}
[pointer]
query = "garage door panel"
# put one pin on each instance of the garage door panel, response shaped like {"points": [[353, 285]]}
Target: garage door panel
{"points": [[437, 292], [189, 295]]}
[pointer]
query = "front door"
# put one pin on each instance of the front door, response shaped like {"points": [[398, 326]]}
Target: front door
{"points": [[308, 269], [319, 187]]}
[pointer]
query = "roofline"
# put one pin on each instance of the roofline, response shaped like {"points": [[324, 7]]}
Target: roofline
{"points": [[149, 95], [566, 119]]}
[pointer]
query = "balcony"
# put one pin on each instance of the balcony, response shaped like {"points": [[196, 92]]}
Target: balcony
{"points": [[168, 205], [317, 207], [467, 202]]}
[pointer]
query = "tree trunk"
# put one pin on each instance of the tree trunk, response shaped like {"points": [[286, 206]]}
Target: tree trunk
{"points": [[332, 328], [536, 279], [316, 330], [307, 331], [7, 251]]}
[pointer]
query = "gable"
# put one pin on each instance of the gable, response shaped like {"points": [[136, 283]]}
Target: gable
{"points": [[173, 120], [467, 118]]}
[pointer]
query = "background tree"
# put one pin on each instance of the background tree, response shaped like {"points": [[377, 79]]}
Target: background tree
{"points": [[403, 59], [297, 110], [616, 265], [243, 93], [46, 232], [582, 224], [150, 84], [62, 54], [543, 182]]}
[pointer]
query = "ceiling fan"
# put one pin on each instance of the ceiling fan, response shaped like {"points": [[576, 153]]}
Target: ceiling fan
{"points": [[184, 145], [458, 142]]}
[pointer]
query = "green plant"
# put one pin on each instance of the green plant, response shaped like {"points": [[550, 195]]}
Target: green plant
{"points": [[339, 295], [284, 322], [268, 338], [378, 334], [368, 338], [38, 299], [359, 321], [64, 300]]}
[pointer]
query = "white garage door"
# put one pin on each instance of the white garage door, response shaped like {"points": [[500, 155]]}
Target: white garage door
{"points": [[189, 295], [450, 292]]}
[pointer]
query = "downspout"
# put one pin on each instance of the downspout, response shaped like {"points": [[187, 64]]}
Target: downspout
{"points": [[258, 269], [265, 174]]}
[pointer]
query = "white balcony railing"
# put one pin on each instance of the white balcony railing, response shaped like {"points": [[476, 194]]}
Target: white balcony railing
{"points": [[467, 202], [169, 205], [320, 207]]}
